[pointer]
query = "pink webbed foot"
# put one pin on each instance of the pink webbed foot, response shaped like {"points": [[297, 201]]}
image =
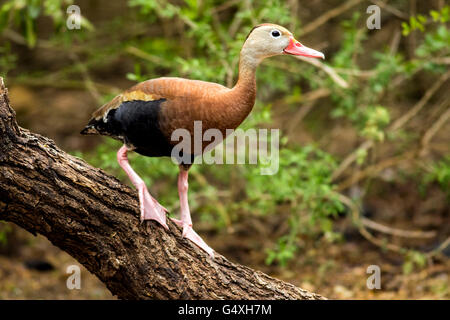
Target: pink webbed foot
{"points": [[190, 234], [160, 207], [150, 208]]}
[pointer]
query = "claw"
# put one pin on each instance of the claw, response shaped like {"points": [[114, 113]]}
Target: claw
{"points": [[160, 207], [151, 209], [190, 234]]}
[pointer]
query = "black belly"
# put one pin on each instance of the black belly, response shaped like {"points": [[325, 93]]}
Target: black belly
{"points": [[136, 123]]}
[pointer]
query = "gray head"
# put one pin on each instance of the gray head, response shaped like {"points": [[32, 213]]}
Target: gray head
{"points": [[267, 40]]}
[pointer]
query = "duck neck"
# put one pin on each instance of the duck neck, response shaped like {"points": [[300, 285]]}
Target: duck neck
{"points": [[244, 92]]}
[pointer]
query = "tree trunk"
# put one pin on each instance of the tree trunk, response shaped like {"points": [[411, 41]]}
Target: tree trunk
{"points": [[95, 218]]}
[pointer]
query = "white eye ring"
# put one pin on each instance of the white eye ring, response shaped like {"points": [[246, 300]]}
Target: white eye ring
{"points": [[275, 33]]}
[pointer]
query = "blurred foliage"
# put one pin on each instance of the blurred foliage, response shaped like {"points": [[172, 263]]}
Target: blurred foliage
{"points": [[4, 229], [419, 21], [413, 259], [23, 14], [438, 172], [202, 44]]}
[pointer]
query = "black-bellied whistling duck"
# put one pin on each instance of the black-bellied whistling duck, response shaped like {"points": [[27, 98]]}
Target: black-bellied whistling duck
{"points": [[145, 116]]}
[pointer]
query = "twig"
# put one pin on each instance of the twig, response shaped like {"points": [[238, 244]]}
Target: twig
{"points": [[396, 232], [218, 29], [327, 16], [229, 67], [144, 55], [19, 39], [351, 158], [234, 25], [371, 170], [356, 216], [429, 134], [357, 43], [249, 7], [293, 7], [315, 94], [298, 117], [395, 42], [391, 9], [441, 60], [411, 40], [308, 97], [358, 221], [225, 5], [89, 84], [422, 102], [62, 84], [356, 72], [400, 122], [440, 248], [327, 69]]}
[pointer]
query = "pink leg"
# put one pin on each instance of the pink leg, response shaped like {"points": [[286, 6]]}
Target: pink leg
{"points": [[150, 208], [186, 221]]}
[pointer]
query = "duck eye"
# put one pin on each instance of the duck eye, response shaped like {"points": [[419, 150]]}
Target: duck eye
{"points": [[275, 33]]}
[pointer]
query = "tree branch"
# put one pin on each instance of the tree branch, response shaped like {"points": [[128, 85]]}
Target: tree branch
{"points": [[95, 218]]}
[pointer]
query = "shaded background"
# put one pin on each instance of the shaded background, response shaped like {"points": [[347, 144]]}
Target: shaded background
{"points": [[364, 162]]}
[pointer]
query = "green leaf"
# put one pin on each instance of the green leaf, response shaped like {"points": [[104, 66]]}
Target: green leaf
{"points": [[30, 33]]}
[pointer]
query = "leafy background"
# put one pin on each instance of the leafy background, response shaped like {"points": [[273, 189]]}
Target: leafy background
{"points": [[364, 162]]}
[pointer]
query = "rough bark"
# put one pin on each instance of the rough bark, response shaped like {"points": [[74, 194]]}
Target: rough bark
{"points": [[95, 218]]}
